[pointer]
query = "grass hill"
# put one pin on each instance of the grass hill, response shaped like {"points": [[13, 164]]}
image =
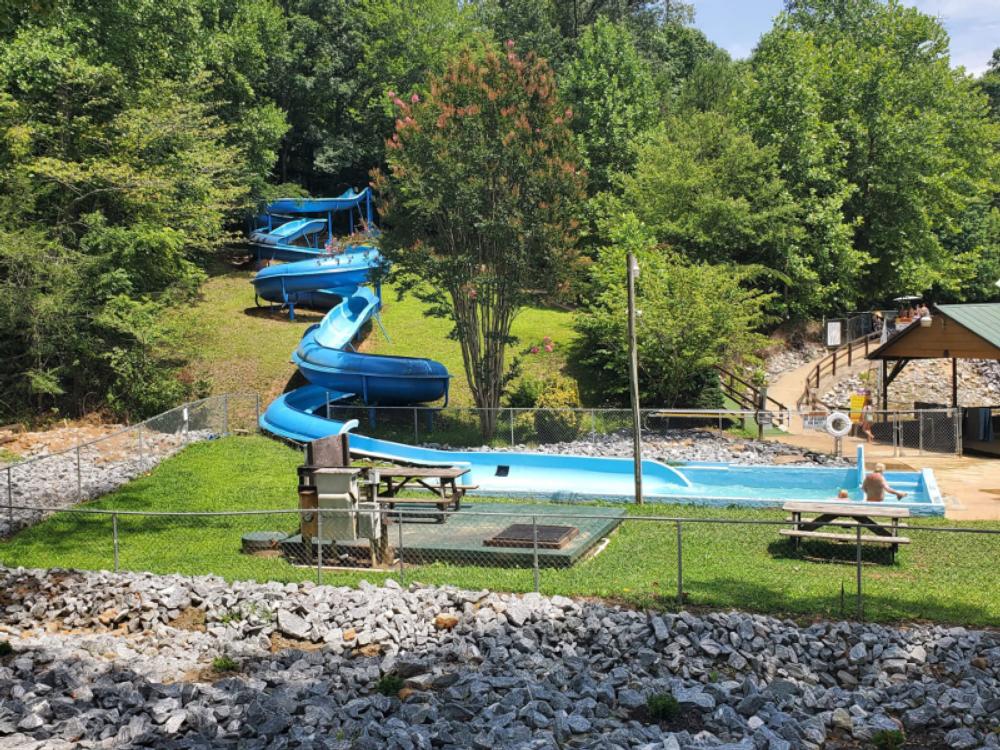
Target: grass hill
{"points": [[236, 346]]}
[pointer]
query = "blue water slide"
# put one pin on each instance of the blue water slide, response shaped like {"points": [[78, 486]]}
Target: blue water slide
{"points": [[287, 233], [318, 282], [299, 416]]}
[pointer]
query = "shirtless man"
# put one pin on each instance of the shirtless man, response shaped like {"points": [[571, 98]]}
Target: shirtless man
{"points": [[875, 486]]}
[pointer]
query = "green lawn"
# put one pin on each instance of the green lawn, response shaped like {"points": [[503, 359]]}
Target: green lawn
{"points": [[944, 577], [236, 346]]}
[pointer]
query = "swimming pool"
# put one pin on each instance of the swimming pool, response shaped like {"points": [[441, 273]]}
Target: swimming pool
{"points": [[707, 484]]}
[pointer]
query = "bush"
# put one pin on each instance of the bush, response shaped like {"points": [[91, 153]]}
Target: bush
{"points": [[888, 739], [224, 664], [5, 648], [526, 393], [390, 684], [553, 421], [662, 707]]}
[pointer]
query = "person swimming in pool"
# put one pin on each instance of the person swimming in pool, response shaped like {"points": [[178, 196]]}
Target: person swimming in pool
{"points": [[875, 486]]}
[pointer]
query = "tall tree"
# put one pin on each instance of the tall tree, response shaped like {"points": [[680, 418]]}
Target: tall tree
{"points": [[610, 90], [479, 202], [867, 112]]}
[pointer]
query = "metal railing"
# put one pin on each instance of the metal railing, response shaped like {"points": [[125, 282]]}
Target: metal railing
{"points": [[660, 560]]}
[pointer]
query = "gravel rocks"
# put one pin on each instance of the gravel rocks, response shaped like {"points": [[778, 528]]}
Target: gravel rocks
{"points": [[673, 446], [99, 663], [929, 381], [52, 480], [791, 358]]}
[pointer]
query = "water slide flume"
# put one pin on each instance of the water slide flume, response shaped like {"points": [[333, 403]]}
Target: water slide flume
{"points": [[288, 221], [319, 282]]}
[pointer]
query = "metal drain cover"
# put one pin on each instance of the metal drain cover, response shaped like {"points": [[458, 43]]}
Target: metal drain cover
{"points": [[522, 535]]}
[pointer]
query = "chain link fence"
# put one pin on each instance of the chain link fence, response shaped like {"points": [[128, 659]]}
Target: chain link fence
{"points": [[95, 467], [944, 573]]}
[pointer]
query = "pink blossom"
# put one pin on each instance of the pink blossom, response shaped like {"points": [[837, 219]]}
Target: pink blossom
{"points": [[398, 102], [534, 350], [510, 44], [391, 94], [415, 98], [546, 339], [549, 347]]}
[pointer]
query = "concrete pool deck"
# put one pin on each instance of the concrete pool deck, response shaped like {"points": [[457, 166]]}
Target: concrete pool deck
{"points": [[970, 485]]}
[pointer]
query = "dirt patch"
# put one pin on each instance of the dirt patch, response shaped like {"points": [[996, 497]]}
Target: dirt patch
{"points": [[280, 642], [191, 618], [688, 719]]}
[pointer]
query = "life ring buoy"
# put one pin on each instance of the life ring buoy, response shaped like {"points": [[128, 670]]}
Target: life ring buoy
{"points": [[838, 424]]}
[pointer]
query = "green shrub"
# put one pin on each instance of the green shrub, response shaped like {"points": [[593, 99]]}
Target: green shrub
{"points": [[224, 664], [5, 648], [888, 739], [390, 684], [553, 421], [525, 394], [662, 707]]}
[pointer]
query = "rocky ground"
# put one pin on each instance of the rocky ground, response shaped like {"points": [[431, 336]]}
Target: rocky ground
{"points": [[673, 446], [930, 381], [59, 480], [124, 661], [791, 358]]}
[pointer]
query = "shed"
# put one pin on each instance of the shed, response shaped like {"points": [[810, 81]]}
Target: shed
{"points": [[953, 332]]}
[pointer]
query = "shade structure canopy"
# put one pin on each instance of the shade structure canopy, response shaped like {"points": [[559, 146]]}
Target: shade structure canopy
{"points": [[954, 332]]}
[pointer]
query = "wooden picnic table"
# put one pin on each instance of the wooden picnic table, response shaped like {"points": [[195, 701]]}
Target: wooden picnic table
{"points": [[387, 482], [846, 515]]}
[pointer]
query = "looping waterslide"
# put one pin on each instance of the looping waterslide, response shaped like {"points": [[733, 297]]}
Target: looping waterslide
{"points": [[337, 373]]}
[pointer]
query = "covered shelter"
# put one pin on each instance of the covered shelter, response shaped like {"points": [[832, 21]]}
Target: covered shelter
{"points": [[951, 332]]}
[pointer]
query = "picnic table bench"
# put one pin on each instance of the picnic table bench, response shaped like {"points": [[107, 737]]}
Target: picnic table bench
{"points": [[846, 515], [387, 482]]}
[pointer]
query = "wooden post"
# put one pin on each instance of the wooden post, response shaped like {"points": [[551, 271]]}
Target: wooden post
{"points": [[954, 383], [633, 267], [885, 386], [835, 362]]}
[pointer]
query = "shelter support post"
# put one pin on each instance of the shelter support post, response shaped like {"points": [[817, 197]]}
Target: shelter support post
{"points": [[954, 382]]}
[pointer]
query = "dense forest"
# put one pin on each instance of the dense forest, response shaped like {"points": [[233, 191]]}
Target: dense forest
{"points": [[844, 162]]}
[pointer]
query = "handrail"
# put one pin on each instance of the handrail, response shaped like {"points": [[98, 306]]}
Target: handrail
{"points": [[753, 389], [829, 362]]}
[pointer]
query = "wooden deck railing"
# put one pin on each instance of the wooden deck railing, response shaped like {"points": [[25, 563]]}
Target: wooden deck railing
{"points": [[843, 356], [747, 395]]}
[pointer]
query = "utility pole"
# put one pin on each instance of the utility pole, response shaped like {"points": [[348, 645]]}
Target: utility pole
{"points": [[633, 356]]}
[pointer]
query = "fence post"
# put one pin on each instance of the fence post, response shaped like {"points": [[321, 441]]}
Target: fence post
{"points": [[10, 502], [512, 427], [534, 552], [680, 568], [225, 413], [319, 545], [416, 430], [834, 372], [860, 612], [958, 432], [326, 399], [256, 411], [114, 535], [79, 479], [593, 426], [399, 545], [142, 455], [920, 429]]}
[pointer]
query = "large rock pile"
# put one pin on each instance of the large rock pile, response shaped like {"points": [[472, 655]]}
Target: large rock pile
{"points": [[120, 661]]}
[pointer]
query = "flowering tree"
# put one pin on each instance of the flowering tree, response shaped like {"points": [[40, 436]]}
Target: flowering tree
{"points": [[479, 203]]}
